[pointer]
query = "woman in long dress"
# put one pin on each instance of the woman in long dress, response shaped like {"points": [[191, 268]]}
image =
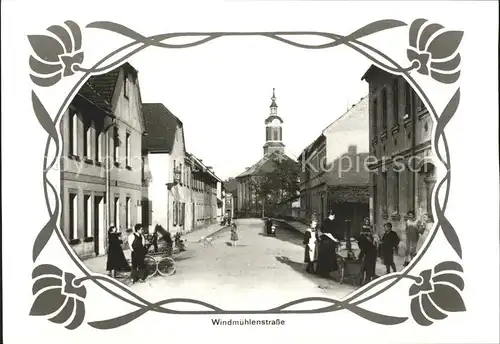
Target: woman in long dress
{"points": [[424, 230], [116, 258], [412, 234], [309, 242]]}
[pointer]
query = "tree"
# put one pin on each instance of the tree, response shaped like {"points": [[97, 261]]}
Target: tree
{"points": [[277, 185]]}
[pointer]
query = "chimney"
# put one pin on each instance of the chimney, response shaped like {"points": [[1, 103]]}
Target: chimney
{"points": [[352, 150]]}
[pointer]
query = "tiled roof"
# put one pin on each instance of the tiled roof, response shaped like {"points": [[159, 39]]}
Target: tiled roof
{"points": [[161, 126], [89, 93], [105, 84]]}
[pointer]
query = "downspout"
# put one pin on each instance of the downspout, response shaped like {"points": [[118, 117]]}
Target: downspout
{"points": [[108, 172]]}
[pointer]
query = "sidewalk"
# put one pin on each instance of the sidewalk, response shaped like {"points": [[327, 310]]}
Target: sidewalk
{"points": [[379, 269], [98, 264]]}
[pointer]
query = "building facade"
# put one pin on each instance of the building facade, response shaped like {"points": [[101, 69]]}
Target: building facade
{"points": [[334, 174], [101, 175], [169, 192], [403, 172], [204, 193]]}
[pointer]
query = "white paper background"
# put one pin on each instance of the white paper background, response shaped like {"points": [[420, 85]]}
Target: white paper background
{"points": [[472, 137]]}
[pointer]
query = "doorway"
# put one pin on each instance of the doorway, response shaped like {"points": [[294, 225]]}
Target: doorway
{"points": [[98, 222], [193, 216]]}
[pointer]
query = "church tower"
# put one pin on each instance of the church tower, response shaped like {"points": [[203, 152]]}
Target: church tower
{"points": [[274, 130]]}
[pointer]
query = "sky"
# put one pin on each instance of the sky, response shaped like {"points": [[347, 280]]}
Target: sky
{"points": [[222, 90]]}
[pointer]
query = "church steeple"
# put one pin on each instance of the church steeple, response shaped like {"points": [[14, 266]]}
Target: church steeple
{"points": [[274, 131], [274, 106]]}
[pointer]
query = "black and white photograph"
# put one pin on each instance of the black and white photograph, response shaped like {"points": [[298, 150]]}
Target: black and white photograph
{"points": [[199, 173]]}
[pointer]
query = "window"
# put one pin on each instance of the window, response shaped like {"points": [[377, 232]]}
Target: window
{"points": [[117, 212], [418, 102], [408, 100], [87, 140], [395, 99], [275, 134], [73, 133], [116, 152], [87, 215], [397, 183], [98, 146], [126, 86], [73, 217], [384, 109], [127, 150], [181, 215], [374, 116], [128, 222], [384, 195], [181, 175], [174, 207]]}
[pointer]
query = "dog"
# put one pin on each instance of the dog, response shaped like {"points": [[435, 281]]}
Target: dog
{"points": [[204, 241]]}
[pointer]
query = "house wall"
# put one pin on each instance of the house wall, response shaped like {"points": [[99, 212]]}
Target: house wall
{"points": [[399, 146], [85, 220]]}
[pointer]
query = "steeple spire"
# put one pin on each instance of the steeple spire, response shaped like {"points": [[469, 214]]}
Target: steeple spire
{"points": [[273, 98]]}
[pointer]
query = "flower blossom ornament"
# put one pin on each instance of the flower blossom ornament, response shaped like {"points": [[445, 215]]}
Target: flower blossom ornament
{"points": [[435, 50], [57, 296], [437, 293], [56, 57]]}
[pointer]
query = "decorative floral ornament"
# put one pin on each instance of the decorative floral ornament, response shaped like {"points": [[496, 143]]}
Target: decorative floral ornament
{"points": [[56, 58], [435, 50], [437, 293], [57, 296]]}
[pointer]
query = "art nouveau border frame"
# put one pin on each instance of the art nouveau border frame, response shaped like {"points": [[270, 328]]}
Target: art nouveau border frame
{"points": [[60, 295]]}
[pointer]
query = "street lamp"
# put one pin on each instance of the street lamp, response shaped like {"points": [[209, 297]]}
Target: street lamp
{"points": [[177, 178]]}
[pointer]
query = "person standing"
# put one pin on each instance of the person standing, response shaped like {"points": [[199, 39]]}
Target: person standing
{"points": [[412, 227], [137, 243], [234, 234], [310, 247], [390, 242], [424, 230], [116, 259], [328, 241], [367, 255]]}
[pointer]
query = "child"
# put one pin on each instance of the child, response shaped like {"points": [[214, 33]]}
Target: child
{"points": [[390, 242], [310, 247], [234, 234]]}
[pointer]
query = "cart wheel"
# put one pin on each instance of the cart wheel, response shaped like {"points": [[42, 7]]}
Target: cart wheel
{"points": [[150, 266], [166, 266]]}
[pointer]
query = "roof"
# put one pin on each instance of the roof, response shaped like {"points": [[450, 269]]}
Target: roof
{"points": [[369, 71], [273, 117], [89, 93], [257, 168], [161, 127], [104, 84], [360, 109], [202, 167]]}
